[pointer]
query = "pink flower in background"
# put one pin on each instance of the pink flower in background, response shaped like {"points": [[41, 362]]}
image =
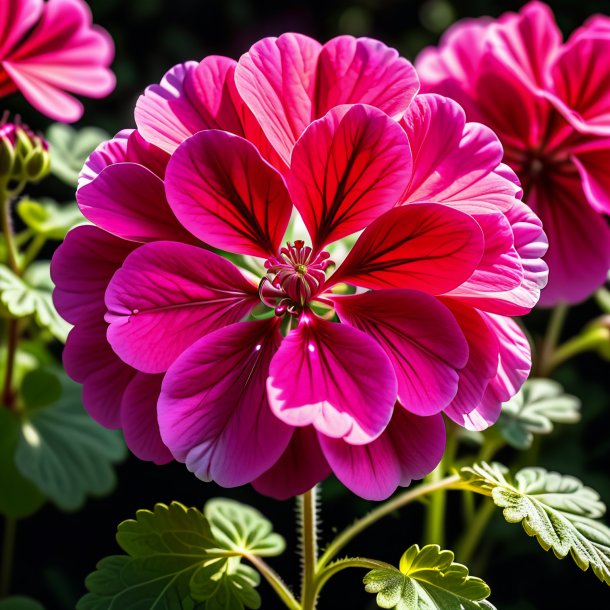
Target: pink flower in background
{"points": [[49, 49], [549, 103], [375, 245]]}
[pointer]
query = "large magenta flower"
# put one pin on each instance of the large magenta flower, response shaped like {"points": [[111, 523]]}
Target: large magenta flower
{"points": [[50, 48], [549, 103], [298, 265]]}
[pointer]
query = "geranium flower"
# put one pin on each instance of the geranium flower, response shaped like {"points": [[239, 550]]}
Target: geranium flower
{"points": [[549, 103], [50, 49], [298, 265]]}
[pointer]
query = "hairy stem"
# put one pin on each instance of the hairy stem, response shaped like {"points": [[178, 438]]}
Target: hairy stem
{"points": [[273, 578], [469, 541], [551, 339], [7, 231], [6, 559], [385, 509], [309, 541]]}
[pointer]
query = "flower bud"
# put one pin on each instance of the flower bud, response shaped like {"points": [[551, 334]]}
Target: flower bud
{"points": [[24, 155]]}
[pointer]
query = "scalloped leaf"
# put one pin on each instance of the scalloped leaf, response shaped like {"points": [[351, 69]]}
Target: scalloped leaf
{"points": [[557, 509], [20, 602], [534, 409], [60, 449], [241, 528], [32, 295], [428, 579], [49, 219]]}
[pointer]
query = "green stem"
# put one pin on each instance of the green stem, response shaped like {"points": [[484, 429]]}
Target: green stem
{"points": [[602, 297], [33, 249], [6, 560], [551, 339], [385, 509], [472, 536], [8, 396], [7, 231], [575, 346], [309, 541], [273, 578]]}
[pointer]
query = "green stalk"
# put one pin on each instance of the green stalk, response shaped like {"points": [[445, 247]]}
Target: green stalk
{"points": [[309, 541], [273, 578], [6, 559], [575, 346], [472, 536], [7, 231], [551, 339]]}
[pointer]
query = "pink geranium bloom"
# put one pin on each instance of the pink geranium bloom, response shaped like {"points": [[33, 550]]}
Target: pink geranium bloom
{"points": [[549, 103], [299, 264], [49, 49]]}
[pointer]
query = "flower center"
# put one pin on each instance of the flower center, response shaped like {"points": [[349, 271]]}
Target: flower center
{"points": [[294, 277]]}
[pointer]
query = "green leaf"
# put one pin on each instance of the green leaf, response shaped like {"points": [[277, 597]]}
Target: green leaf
{"points": [[558, 510], [428, 579], [20, 602], [32, 295], [534, 409], [70, 148], [47, 218], [24, 497], [64, 452], [39, 388], [241, 528]]}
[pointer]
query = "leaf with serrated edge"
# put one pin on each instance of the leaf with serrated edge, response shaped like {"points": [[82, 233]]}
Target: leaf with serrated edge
{"points": [[64, 452], [428, 579], [241, 528], [534, 409], [558, 510]]}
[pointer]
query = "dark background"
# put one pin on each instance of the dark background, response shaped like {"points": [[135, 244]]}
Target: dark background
{"points": [[55, 551]]}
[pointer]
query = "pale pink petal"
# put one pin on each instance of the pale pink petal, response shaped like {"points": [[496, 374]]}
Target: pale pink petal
{"points": [[455, 162], [334, 377], [213, 411], [108, 152], [364, 71], [166, 296], [81, 268], [104, 377], [347, 169], [129, 201], [139, 419], [421, 338], [222, 190], [580, 84], [423, 246], [593, 169], [410, 448], [297, 470], [277, 80], [482, 365]]}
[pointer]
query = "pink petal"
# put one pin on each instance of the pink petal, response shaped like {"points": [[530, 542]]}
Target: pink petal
{"points": [[364, 71], [139, 419], [81, 268], [410, 448], [421, 338], [580, 84], [277, 80], [166, 296], [213, 411], [108, 152], [423, 246], [514, 368], [334, 377], [16, 18], [63, 52], [347, 169], [455, 162], [483, 354], [220, 188], [105, 377], [129, 201], [298, 469], [593, 169]]}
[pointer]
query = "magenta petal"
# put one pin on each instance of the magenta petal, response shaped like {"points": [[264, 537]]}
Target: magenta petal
{"points": [[423, 246], [166, 296], [222, 190], [455, 162], [421, 338], [348, 168], [364, 71], [213, 411], [482, 365], [16, 18], [139, 419], [277, 80], [105, 377], [81, 269], [298, 469], [108, 152], [593, 169], [128, 200], [334, 377], [410, 448]]}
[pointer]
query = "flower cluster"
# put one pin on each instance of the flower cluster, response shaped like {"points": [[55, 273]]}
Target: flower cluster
{"points": [[49, 48], [298, 264], [549, 103]]}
